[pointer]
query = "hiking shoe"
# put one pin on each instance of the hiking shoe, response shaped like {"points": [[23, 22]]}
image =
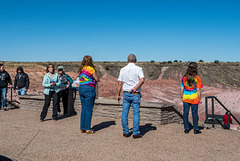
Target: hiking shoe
{"points": [[197, 132]]}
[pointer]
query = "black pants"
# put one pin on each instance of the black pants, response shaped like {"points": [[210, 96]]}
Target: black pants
{"points": [[53, 95], [64, 95]]}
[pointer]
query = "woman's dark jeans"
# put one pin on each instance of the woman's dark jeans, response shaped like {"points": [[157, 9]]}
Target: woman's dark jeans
{"points": [[186, 108]]}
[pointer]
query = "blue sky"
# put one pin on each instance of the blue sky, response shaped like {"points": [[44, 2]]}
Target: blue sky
{"points": [[109, 30]]}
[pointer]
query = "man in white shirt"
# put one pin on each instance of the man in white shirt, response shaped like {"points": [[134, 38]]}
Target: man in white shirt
{"points": [[130, 80]]}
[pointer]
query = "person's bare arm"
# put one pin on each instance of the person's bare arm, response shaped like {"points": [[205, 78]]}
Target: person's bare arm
{"points": [[181, 92], [96, 78], [140, 83], [119, 89], [199, 95]]}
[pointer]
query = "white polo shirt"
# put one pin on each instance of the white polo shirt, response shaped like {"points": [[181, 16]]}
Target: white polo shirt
{"points": [[130, 75]]}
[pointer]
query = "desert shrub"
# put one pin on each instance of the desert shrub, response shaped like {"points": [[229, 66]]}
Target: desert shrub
{"points": [[201, 61], [175, 61], [216, 61], [152, 61], [107, 68], [169, 62]]}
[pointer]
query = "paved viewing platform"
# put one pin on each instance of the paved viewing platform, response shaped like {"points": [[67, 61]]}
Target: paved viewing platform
{"points": [[24, 137]]}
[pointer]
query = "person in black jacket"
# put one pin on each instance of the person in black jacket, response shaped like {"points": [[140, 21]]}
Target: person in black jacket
{"points": [[66, 82], [5, 79], [21, 82]]}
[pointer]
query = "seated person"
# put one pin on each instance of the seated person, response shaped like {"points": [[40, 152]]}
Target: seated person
{"points": [[225, 120]]}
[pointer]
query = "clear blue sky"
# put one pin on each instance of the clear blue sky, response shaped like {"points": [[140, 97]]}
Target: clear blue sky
{"points": [[109, 30]]}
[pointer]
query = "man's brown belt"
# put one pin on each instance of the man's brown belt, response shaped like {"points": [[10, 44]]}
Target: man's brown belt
{"points": [[135, 93]]}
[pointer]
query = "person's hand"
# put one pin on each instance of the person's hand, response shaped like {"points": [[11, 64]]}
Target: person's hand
{"points": [[67, 86], [133, 90], [10, 86], [53, 84], [200, 101], [15, 91], [25, 90], [119, 99]]}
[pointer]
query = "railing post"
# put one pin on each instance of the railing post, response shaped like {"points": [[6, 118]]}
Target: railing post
{"points": [[11, 97], [206, 107], [213, 118], [228, 119], [97, 91]]}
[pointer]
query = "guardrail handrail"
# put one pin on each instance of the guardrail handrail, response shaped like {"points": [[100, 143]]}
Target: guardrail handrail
{"points": [[213, 117]]}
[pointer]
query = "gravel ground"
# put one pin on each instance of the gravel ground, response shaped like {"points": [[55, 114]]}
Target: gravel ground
{"points": [[24, 137]]}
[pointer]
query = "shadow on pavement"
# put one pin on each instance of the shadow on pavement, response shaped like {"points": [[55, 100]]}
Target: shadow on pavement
{"points": [[3, 158], [146, 128], [103, 125]]}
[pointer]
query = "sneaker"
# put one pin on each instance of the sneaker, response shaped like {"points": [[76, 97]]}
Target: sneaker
{"points": [[41, 119], [186, 131], [90, 132], [5, 109], [197, 132], [55, 118]]}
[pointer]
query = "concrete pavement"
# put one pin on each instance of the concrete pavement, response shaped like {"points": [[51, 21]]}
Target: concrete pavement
{"points": [[24, 137]]}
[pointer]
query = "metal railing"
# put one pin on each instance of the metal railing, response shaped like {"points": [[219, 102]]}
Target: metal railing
{"points": [[11, 101], [213, 115]]}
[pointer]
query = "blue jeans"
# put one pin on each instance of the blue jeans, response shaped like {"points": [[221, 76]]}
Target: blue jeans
{"points": [[87, 96], [186, 108], [3, 97], [135, 100], [22, 91]]}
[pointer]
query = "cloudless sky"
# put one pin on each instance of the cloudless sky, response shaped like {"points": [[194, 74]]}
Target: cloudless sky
{"points": [[109, 30]]}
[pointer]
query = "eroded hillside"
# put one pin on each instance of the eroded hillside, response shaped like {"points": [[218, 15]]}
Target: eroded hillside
{"points": [[162, 80]]}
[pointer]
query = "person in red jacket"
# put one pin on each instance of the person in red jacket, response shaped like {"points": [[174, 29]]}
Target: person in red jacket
{"points": [[225, 120]]}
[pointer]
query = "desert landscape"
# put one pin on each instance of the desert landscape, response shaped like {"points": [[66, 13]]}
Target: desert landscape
{"points": [[220, 79]]}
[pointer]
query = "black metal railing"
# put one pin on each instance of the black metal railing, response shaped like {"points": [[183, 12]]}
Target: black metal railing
{"points": [[11, 101], [214, 117]]}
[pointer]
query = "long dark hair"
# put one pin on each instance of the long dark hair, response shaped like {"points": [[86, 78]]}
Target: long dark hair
{"points": [[191, 73], [50, 65], [87, 61]]}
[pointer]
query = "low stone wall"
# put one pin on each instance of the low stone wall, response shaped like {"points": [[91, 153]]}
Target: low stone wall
{"points": [[157, 113]]}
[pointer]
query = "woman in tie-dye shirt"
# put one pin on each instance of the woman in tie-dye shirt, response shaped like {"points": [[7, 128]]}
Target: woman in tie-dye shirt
{"points": [[88, 79], [191, 85]]}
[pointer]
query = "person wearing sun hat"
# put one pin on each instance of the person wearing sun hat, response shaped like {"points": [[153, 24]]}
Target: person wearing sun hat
{"points": [[66, 82]]}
